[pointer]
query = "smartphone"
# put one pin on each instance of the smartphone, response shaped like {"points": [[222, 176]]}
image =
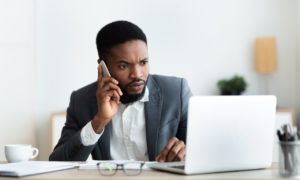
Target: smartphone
{"points": [[105, 72]]}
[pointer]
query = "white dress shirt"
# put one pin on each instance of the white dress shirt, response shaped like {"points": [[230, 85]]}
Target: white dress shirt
{"points": [[128, 135]]}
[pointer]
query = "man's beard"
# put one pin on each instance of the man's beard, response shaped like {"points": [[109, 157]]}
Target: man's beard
{"points": [[130, 98]]}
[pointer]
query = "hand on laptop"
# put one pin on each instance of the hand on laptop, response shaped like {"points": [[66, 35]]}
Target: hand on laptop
{"points": [[173, 151]]}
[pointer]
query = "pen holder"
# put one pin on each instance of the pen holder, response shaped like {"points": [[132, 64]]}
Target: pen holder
{"points": [[289, 158]]}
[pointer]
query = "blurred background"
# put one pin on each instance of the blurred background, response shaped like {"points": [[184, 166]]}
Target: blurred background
{"points": [[47, 50]]}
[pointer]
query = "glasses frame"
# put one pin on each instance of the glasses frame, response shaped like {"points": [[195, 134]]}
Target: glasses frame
{"points": [[121, 166]]}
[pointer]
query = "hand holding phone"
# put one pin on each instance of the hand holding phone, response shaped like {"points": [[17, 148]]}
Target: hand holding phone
{"points": [[105, 72], [108, 96]]}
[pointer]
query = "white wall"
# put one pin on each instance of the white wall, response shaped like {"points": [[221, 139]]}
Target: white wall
{"points": [[202, 41], [298, 61], [17, 73]]}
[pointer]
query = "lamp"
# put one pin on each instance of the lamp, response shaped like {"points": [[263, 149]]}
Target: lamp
{"points": [[265, 57]]}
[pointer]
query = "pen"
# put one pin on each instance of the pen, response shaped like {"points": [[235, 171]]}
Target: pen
{"points": [[290, 156]]}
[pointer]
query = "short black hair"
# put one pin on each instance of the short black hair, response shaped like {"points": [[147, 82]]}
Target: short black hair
{"points": [[115, 33]]}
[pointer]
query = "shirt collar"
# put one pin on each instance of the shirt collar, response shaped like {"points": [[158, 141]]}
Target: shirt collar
{"points": [[145, 98]]}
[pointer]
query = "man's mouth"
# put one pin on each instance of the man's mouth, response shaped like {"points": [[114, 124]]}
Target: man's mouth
{"points": [[136, 86]]}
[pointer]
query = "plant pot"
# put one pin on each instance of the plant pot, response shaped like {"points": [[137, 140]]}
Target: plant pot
{"points": [[230, 93]]}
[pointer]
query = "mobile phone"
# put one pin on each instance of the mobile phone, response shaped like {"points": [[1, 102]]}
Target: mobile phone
{"points": [[105, 72]]}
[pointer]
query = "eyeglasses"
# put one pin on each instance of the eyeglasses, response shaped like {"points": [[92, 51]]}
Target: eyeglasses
{"points": [[129, 168]]}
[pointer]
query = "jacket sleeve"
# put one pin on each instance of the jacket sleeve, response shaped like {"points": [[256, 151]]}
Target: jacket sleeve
{"points": [[184, 99], [69, 146]]}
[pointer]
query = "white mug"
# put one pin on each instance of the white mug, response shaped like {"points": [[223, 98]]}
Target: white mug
{"points": [[20, 152]]}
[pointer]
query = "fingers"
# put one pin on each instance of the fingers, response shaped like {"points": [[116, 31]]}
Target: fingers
{"points": [[112, 86], [109, 91], [108, 83], [114, 96], [164, 153], [111, 95], [181, 155], [174, 151]]}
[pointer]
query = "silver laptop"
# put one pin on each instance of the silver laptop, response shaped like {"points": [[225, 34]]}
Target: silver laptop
{"points": [[227, 133]]}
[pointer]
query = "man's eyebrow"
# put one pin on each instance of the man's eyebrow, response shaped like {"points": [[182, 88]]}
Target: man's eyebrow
{"points": [[127, 62], [123, 61], [145, 59]]}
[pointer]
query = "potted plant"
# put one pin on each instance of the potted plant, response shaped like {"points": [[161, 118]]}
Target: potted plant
{"points": [[234, 86]]}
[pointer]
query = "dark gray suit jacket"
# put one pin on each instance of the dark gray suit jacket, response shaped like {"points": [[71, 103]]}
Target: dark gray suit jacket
{"points": [[165, 115]]}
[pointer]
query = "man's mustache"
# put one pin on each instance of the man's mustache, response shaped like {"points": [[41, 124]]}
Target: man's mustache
{"points": [[137, 81]]}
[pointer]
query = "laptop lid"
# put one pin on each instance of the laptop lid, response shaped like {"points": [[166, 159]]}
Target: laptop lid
{"points": [[228, 133]]}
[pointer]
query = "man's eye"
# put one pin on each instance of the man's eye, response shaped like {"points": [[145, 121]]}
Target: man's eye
{"points": [[123, 66], [144, 62]]}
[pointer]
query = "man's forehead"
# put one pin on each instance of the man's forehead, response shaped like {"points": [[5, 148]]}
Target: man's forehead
{"points": [[126, 53]]}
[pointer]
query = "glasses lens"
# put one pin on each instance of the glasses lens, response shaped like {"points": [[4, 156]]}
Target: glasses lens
{"points": [[133, 168], [107, 169]]}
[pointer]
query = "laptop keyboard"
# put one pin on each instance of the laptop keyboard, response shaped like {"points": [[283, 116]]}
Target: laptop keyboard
{"points": [[178, 166]]}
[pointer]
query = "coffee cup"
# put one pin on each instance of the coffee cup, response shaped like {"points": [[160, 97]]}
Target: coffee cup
{"points": [[20, 152]]}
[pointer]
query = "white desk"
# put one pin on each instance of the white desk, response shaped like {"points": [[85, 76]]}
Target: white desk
{"points": [[82, 174]]}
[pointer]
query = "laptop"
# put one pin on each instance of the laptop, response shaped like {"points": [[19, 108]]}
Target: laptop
{"points": [[227, 133]]}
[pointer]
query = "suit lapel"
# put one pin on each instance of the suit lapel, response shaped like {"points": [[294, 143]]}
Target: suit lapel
{"points": [[153, 110]]}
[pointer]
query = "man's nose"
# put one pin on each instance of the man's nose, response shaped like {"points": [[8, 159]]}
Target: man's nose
{"points": [[136, 72]]}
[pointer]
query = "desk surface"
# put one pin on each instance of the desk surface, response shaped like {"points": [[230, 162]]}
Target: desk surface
{"points": [[82, 174]]}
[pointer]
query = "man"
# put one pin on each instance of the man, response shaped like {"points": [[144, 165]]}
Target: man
{"points": [[130, 115]]}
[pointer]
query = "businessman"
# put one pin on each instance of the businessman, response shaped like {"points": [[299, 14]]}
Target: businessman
{"points": [[130, 115]]}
